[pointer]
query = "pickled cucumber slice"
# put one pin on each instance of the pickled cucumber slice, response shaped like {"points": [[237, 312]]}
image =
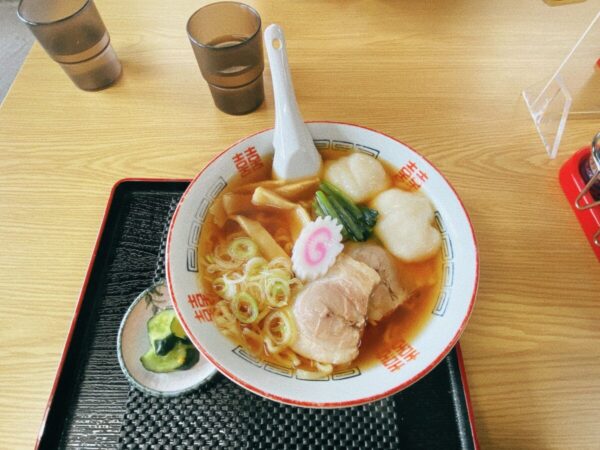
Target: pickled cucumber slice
{"points": [[173, 360]]}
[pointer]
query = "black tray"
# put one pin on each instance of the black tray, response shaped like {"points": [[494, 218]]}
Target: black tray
{"points": [[89, 400]]}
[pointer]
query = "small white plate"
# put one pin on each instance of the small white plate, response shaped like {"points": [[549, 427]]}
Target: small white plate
{"points": [[133, 342]]}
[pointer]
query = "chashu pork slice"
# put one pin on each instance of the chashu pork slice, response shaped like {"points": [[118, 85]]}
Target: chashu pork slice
{"points": [[331, 312], [389, 293]]}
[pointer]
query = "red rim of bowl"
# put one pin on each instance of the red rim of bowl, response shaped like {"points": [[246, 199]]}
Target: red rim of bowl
{"points": [[347, 403]]}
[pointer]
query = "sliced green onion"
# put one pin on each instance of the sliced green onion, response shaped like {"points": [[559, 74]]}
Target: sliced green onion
{"points": [[280, 328], [280, 273], [255, 290], [255, 266], [244, 307], [234, 278], [223, 264], [278, 292], [263, 314], [219, 286], [224, 288], [242, 248], [281, 263]]}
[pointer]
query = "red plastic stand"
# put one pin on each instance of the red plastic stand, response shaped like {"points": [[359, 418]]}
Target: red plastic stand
{"points": [[572, 184]]}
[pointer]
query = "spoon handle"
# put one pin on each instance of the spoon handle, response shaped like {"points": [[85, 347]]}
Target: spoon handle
{"points": [[295, 154], [286, 107]]}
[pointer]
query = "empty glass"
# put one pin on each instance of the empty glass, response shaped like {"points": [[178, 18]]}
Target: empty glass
{"points": [[73, 34], [226, 39]]}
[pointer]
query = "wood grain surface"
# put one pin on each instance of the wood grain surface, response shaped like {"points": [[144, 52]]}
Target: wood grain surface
{"points": [[443, 76]]}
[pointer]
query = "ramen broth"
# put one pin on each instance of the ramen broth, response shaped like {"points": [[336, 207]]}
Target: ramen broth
{"points": [[422, 280]]}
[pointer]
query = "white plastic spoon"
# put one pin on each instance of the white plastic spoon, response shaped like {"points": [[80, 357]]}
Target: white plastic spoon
{"points": [[295, 153]]}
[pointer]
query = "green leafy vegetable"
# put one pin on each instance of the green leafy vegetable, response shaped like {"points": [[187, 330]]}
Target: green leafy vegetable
{"points": [[369, 215], [357, 221]]}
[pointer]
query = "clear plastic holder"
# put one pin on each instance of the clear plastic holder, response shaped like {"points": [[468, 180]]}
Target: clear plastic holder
{"points": [[572, 92]]}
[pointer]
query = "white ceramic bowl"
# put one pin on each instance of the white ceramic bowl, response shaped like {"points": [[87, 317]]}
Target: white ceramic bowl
{"points": [[353, 387]]}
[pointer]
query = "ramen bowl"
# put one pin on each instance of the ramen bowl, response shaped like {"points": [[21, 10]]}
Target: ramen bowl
{"points": [[396, 365]]}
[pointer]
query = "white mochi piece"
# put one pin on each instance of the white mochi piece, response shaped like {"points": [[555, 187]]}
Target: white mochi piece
{"points": [[405, 225], [359, 176]]}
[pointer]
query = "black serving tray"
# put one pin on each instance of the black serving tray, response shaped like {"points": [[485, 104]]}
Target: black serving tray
{"points": [[91, 400]]}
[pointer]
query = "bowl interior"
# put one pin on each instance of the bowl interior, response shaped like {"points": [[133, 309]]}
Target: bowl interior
{"points": [[398, 367]]}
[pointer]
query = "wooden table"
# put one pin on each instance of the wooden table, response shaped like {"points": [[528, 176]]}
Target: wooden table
{"points": [[443, 76]]}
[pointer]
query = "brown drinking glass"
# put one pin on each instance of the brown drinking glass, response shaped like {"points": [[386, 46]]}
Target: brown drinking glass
{"points": [[73, 34], [226, 39]]}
